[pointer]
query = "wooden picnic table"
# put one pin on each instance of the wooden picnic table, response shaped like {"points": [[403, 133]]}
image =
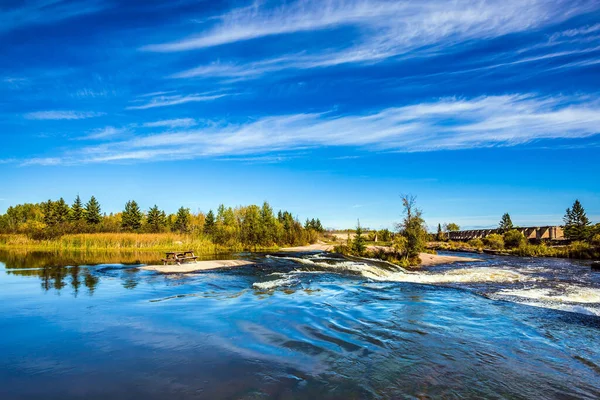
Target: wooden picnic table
{"points": [[178, 257]]}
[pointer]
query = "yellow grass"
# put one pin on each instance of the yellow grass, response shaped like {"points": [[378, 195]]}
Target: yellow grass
{"points": [[116, 241]]}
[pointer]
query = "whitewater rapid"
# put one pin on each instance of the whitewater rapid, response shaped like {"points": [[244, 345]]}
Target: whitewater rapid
{"points": [[527, 284]]}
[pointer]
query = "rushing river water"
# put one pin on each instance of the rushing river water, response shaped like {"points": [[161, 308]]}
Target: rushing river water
{"points": [[298, 326]]}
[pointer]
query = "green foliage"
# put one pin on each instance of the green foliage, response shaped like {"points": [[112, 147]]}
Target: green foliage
{"points": [[577, 224], [595, 239], [384, 235], [156, 221], [358, 243], [182, 220], [132, 216], [513, 238], [451, 227], [440, 233], [209, 223], [505, 223], [476, 243], [93, 214], [494, 241], [77, 210], [414, 229]]}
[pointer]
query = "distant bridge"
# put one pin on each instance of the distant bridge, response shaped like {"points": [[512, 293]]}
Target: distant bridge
{"points": [[531, 232]]}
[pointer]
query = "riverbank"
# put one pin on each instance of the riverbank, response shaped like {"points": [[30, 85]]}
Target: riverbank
{"points": [[196, 266], [159, 242], [575, 250]]}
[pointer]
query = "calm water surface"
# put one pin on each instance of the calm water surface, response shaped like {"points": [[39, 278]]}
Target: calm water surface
{"points": [[309, 326]]}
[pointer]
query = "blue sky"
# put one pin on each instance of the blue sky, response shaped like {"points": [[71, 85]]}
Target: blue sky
{"points": [[325, 108]]}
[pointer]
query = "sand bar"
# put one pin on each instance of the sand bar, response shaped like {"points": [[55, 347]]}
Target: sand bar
{"points": [[428, 260], [309, 248], [196, 266]]}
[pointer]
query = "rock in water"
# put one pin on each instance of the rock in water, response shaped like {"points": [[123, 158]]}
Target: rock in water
{"points": [[596, 266]]}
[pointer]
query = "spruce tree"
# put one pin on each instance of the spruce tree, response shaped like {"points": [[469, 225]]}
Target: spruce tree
{"points": [[77, 211], [48, 211], [209, 223], [131, 218], [93, 214], [440, 234], [182, 220], [156, 220], [358, 244], [62, 211], [505, 223], [577, 224]]}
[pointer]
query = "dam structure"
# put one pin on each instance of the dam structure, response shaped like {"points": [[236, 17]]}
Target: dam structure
{"points": [[530, 233]]}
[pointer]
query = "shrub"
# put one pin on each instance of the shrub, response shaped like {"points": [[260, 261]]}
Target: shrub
{"points": [[514, 238], [477, 243], [494, 241], [596, 239]]}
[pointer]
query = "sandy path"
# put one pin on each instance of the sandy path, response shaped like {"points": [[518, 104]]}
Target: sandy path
{"points": [[311, 247], [197, 266], [428, 260]]}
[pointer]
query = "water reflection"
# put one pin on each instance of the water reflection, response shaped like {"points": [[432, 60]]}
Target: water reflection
{"points": [[60, 270]]}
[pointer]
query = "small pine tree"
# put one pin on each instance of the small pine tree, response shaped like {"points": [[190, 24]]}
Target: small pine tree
{"points": [[77, 210], [131, 219], [48, 211], [358, 244], [440, 234], [93, 214], [156, 220], [505, 223], [577, 224], [62, 211], [182, 220], [209, 223]]}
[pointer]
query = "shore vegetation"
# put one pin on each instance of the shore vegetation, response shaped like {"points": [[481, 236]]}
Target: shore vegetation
{"points": [[56, 225]]}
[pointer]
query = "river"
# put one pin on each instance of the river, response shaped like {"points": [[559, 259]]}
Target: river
{"points": [[298, 326]]}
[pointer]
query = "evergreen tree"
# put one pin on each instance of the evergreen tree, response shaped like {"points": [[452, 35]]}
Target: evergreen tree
{"points": [[577, 224], [440, 234], [358, 244], [182, 220], [156, 220], [48, 211], [209, 223], [77, 211], [268, 230], [93, 215], [505, 223], [62, 211], [131, 219]]}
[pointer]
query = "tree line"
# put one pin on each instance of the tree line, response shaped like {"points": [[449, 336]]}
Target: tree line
{"points": [[253, 226]]}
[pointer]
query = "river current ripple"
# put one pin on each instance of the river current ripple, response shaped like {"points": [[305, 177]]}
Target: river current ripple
{"points": [[301, 326]]}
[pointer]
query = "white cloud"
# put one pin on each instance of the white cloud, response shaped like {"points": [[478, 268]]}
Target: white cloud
{"points": [[104, 133], [445, 124], [59, 115], [171, 123], [381, 29], [164, 101], [39, 12]]}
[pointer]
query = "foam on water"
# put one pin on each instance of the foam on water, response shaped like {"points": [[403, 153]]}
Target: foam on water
{"points": [[571, 294], [565, 297]]}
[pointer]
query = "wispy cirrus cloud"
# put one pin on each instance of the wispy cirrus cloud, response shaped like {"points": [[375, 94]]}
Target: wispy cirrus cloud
{"points": [[171, 123], [62, 114], [41, 12], [108, 132], [380, 29], [446, 124], [172, 100]]}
